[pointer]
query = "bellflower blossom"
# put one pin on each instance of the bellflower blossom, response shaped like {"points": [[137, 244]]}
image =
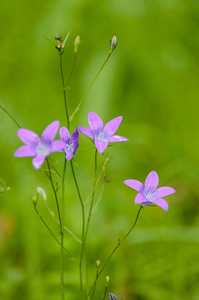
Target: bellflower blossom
{"points": [[149, 193], [38, 147], [102, 135], [70, 143]]}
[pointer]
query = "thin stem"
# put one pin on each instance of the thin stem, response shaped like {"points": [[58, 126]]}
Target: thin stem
{"points": [[64, 89], [63, 190], [83, 228], [88, 220], [2, 107], [105, 291], [50, 230], [61, 232], [78, 106], [118, 244], [92, 197], [64, 227], [98, 179], [73, 67]]}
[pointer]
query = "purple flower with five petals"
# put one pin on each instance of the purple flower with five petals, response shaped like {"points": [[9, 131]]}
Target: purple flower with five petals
{"points": [[38, 147], [70, 143], [149, 193], [102, 135]]}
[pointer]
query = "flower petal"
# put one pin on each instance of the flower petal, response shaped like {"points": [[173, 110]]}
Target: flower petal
{"points": [[140, 199], [111, 127], [28, 137], [100, 145], [162, 203], [112, 296], [85, 131], [38, 161], [56, 146], [75, 140], [135, 184], [117, 138], [50, 132], [151, 182], [69, 155], [164, 191], [64, 135], [95, 122], [25, 151]]}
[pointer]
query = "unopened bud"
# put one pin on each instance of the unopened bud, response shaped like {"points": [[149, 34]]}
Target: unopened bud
{"points": [[113, 43], [76, 43], [98, 262], [107, 280], [34, 200], [42, 193]]}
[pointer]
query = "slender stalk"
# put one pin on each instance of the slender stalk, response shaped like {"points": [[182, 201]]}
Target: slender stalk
{"points": [[78, 106], [83, 228], [88, 220], [63, 190], [50, 230], [118, 244], [105, 291], [64, 89], [61, 232], [64, 227], [73, 67], [2, 107], [92, 197]]}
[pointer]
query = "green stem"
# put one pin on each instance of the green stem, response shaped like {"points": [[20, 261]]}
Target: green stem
{"points": [[92, 197], [78, 106], [61, 232], [73, 67], [2, 107], [64, 89], [83, 228], [118, 244], [50, 230], [63, 190]]}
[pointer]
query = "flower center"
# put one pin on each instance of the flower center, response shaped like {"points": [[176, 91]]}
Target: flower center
{"points": [[43, 148], [69, 147], [99, 136]]}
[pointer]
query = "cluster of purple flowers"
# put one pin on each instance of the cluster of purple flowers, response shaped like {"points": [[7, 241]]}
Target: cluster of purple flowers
{"points": [[41, 148]]}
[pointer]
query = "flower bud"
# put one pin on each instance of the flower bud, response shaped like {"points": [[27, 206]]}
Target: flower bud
{"points": [[107, 280], [34, 201], [76, 43], [42, 193], [98, 262], [113, 43]]}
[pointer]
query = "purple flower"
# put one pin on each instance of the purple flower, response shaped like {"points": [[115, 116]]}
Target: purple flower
{"points": [[38, 147], [112, 296], [70, 144], [102, 135], [149, 193]]}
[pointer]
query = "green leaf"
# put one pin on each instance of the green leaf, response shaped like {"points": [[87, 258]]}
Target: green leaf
{"points": [[3, 186]]}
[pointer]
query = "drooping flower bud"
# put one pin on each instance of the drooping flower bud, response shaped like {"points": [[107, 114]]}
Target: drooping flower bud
{"points": [[76, 43], [113, 43], [42, 193]]}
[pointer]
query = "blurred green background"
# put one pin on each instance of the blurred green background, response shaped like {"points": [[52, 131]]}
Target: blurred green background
{"points": [[152, 80]]}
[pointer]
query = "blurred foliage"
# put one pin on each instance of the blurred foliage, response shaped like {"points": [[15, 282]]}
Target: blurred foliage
{"points": [[151, 80]]}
